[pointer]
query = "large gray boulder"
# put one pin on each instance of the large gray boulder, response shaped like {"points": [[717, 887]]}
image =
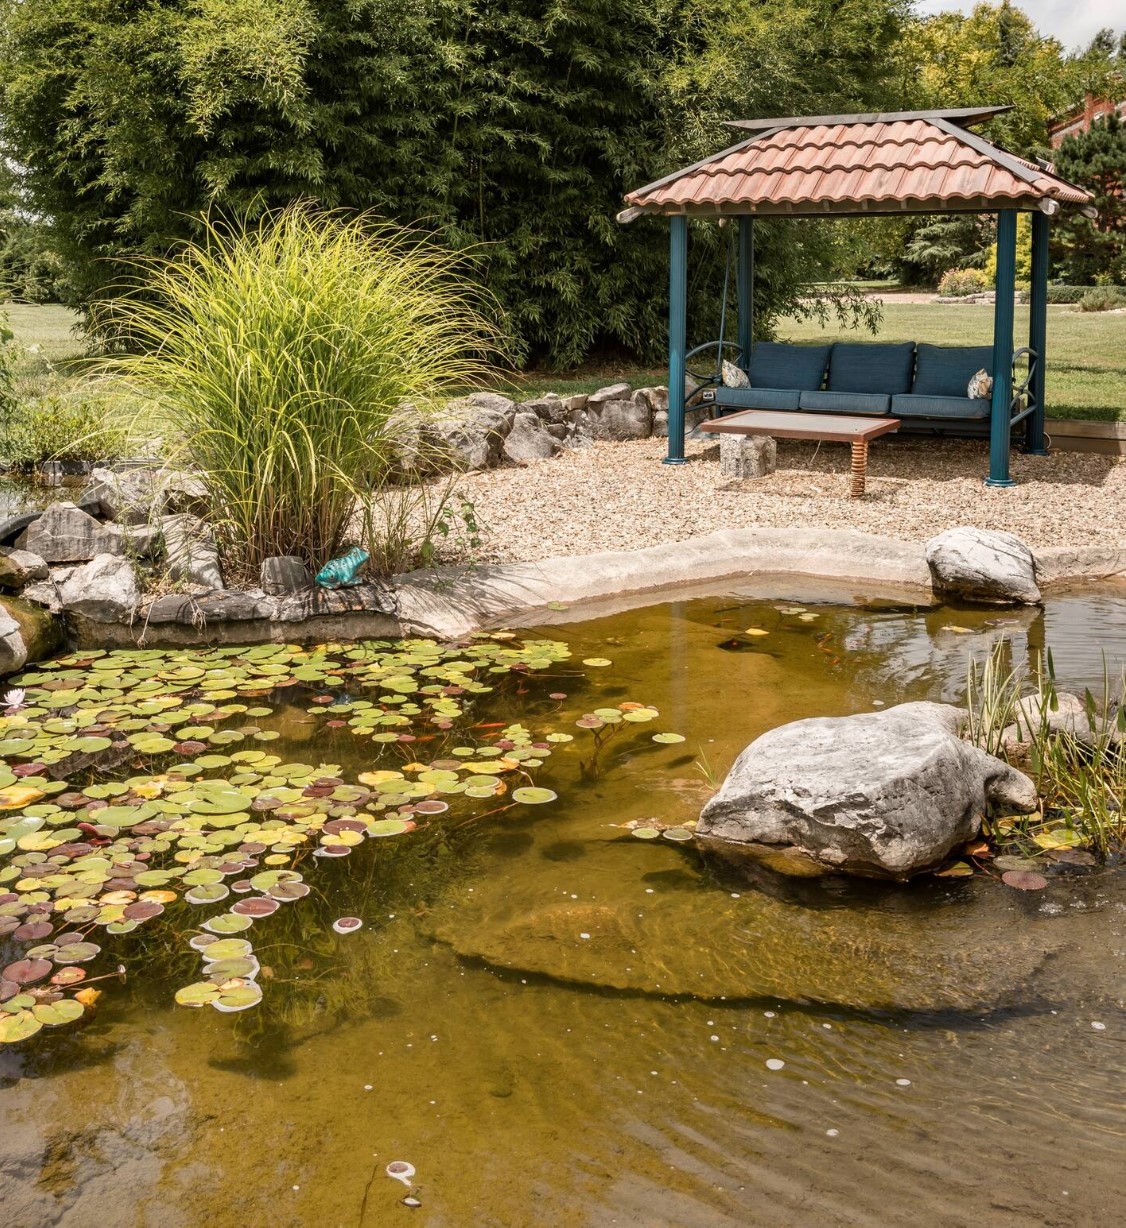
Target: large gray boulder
{"points": [[26, 634], [105, 589], [529, 440], [881, 794], [983, 565], [128, 496], [67, 534]]}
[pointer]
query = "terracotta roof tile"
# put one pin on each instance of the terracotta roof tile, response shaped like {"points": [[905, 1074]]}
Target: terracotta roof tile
{"points": [[876, 165]]}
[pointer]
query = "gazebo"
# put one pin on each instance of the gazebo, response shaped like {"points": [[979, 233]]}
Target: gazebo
{"points": [[907, 162]]}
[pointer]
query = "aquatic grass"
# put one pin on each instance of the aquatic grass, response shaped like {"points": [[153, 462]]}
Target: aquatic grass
{"points": [[295, 361], [1080, 774]]}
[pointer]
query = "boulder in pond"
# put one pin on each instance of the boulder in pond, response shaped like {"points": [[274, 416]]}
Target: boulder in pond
{"points": [[983, 565], [882, 794]]}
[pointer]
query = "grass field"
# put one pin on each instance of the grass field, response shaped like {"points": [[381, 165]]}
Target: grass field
{"points": [[1086, 352]]}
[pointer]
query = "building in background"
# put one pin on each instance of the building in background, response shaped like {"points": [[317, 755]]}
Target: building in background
{"points": [[1080, 118]]}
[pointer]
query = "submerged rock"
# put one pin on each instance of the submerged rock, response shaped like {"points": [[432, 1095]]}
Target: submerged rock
{"points": [[882, 794], [713, 945], [983, 565]]}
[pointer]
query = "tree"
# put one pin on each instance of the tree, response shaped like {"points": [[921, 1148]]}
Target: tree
{"points": [[1090, 250], [512, 127]]}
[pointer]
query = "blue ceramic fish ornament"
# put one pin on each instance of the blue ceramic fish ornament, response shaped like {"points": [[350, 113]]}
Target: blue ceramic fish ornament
{"points": [[342, 571]]}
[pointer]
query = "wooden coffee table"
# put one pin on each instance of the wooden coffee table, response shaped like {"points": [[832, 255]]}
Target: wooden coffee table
{"points": [[831, 428]]}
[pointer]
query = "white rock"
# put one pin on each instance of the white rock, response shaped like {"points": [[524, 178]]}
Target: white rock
{"points": [[883, 794], [983, 565]]}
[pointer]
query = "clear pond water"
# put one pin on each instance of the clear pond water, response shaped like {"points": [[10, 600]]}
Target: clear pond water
{"points": [[557, 1023]]}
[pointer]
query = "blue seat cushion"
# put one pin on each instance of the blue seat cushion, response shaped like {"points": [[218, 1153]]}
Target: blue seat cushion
{"points": [[946, 370], [872, 368], [912, 405], [731, 400], [844, 402], [776, 364]]}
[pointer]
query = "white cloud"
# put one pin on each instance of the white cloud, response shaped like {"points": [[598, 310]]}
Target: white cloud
{"points": [[1073, 22]]}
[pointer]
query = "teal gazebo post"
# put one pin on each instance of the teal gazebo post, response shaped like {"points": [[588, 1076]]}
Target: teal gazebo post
{"points": [[1000, 417], [678, 334], [1038, 334], [744, 286]]}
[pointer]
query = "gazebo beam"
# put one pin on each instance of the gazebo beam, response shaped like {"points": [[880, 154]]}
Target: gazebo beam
{"points": [[1000, 426], [678, 335], [1038, 334]]}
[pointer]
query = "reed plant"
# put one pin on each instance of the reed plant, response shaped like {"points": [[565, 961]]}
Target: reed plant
{"points": [[283, 355], [1080, 772]]}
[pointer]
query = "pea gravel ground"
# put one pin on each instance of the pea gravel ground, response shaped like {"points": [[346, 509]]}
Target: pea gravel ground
{"points": [[618, 496]]}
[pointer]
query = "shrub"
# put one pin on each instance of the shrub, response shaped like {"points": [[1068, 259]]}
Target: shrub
{"points": [[282, 353], [62, 428], [1066, 295], [959, 283], [1103, 298]]}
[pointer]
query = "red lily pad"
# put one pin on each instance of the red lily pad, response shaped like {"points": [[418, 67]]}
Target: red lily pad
{"points": [[1024, 880]]}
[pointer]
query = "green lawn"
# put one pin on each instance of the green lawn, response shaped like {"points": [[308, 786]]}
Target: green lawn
{"points": [[1086, 352]]}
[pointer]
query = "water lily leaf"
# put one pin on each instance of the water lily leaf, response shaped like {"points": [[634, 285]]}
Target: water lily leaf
{"points": [[76, 952], [668, 739], [1024, 880], [17, 1027], [27, 971], [207, 893], [227, 923], [645, 833], [221, 970], [678, 834], [223, 948], [387, 827], [531, 796], [597, 662], [199, 994], [959, 869], [54, 1014], [239, 998]]}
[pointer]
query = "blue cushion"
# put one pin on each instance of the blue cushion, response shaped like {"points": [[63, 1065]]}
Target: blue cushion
{"points": [[844, 402], [731, 400], [872, 368], [946, 370], [911, 405], [775, 364]]}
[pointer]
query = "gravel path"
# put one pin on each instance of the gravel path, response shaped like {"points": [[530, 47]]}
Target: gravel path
{"points": [[618, 496]]}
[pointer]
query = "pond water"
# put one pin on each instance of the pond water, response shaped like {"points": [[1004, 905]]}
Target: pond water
{"points": [[557, 1023]]}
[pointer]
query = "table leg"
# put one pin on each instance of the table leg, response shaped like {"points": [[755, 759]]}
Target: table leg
{"points": [[859, 467]]}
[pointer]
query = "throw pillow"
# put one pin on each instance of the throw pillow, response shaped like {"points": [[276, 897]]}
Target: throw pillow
{"points": [[981, 385], [733, 376]]}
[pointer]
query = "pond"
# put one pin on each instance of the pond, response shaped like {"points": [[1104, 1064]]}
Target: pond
{"points": [[551, 1020]]}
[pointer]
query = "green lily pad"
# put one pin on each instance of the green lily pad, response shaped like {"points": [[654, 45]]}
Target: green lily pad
{"points": [[668, 739], [54, 1014], [531, 796], [17, 1027]]}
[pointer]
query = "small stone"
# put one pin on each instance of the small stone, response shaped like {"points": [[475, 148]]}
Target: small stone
{"points": [[20, 567], [747, 456], [774, 1063], [284, 573]]}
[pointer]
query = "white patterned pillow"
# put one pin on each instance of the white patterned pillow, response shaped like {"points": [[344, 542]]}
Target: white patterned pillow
{"points": [[734, 377], [981, 385]]}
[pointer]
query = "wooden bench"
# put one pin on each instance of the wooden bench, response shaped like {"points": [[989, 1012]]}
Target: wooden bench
{"points": [[830, 428]]}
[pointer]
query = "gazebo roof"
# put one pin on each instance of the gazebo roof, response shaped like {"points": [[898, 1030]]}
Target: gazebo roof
{"points": [[901, 162]]}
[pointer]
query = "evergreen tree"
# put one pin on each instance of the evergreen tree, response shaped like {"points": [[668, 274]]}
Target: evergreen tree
{"points": [[1089, 250]]}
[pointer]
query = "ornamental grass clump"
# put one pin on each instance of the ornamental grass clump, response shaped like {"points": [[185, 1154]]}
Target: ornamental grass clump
{"points": [[283, 356]]}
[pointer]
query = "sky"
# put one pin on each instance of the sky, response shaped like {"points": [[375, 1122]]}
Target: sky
{"points": [[1073, 22]]}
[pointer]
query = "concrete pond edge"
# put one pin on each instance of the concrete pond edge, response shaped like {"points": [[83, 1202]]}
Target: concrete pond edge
{"points": [[450, 603]]}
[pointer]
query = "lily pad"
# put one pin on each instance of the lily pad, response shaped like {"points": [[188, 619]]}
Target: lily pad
{"points": [[532, 796]]}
